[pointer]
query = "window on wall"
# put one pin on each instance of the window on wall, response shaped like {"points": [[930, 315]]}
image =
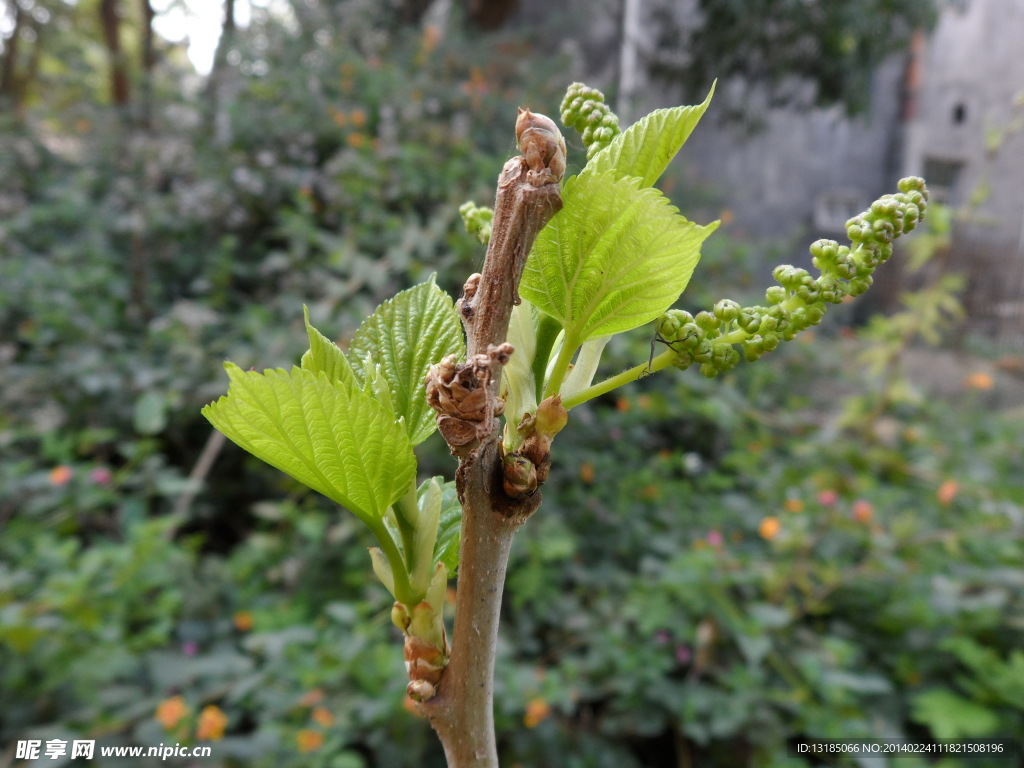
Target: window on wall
{"points": [[943, 177]]}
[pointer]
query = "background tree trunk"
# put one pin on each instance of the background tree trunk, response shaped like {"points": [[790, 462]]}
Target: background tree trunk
{"points": [[110, 21], [10, 91], [148, 64], [215, 83]]}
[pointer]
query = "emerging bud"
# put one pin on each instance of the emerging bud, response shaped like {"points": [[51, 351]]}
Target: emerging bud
{"points": [[542, 146], [519, 476], [551, 416]]}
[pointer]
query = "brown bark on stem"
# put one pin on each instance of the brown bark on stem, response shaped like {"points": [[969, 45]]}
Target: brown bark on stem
{"points": [[462, 712]]}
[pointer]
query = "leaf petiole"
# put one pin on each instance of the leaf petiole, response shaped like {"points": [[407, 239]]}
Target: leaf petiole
{"points": [[561, 368], [404, 592], [658, 363]]}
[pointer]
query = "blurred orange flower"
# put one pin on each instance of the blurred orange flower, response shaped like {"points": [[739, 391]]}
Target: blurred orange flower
{"points": [[212, 722], [863, 511], [61, 475], [309, 740], [587, 472], [323, 716], [769, 528], [537, 710], [431, 37], [979, 380], [170, 712], [947, 492], [794, 505], [243, 621]]}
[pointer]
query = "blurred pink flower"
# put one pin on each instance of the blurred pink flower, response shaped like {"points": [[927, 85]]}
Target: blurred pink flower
{"points": [[683, 654], [828, 497], [100, 475], [715, 539]]}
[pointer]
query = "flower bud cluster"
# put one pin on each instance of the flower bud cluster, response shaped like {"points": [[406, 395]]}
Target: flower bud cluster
{"points": [[478, 220], [584, 110], [799, 301]]}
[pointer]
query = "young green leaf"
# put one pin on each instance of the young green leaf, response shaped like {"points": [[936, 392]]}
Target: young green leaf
{"points": [[446, 546], [647, 147], [614, 258], [405, 336], [327, 435], [325, 356]]}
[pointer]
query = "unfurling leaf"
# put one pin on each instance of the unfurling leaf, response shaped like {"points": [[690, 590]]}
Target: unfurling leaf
{"points": [[325, 434], [325, 356], [446, 546], [405, 336], [647, 147], [616, 256]]}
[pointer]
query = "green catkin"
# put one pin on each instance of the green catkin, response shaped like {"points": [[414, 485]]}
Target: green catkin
{"points": [[799, 300], [478, 220], [583, 109]]}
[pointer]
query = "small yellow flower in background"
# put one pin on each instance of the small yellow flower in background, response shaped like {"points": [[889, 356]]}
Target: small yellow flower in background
{"points": [[947, 492], [309, 740], [323, 716], [170, 712], [243, 621], [587, 472], [355, 140], [863, 511], [537, 710], [979, 380], [212, 722], [61, 475], [650, 492], [769, 528], [794, 505]]}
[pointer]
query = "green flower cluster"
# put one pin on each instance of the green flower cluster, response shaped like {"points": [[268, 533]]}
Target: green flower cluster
{"points": [[478, 220], [799, 301], [584, 110]]}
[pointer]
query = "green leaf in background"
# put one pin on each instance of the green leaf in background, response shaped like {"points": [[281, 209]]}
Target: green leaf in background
{"points": [[405, 336], [647, 147], [614, 258], [150, 414], [329, 436], [446, 546], [324, 356], [950, 716]]}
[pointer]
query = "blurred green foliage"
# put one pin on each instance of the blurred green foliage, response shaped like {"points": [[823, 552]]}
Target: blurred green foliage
{"points": [[719, 566]]}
